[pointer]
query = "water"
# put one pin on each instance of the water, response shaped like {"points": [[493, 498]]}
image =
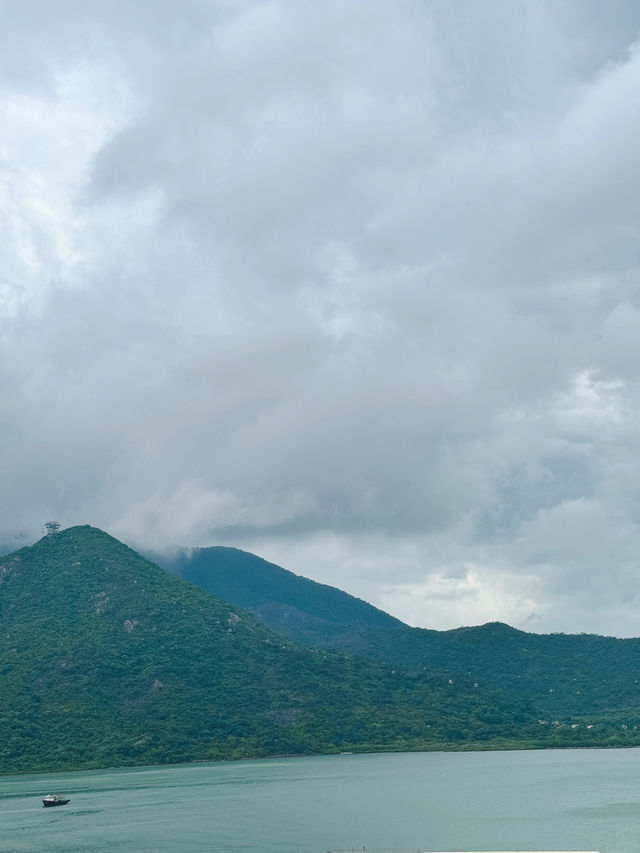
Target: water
{"points": [[550, 800]]}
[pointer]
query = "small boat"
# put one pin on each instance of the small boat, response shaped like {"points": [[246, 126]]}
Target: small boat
{"points": [[54, 800]]}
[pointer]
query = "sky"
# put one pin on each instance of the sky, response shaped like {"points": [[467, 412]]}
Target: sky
{"points": [[352, 285]]}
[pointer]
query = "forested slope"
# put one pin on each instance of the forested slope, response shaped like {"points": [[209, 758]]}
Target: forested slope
{"points": [[106, 659], [562, 675]]}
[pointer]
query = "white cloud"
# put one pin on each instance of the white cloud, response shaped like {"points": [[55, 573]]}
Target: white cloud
{"points": [[354, 288]]}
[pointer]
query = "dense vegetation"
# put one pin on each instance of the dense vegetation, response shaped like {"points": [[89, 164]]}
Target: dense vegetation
{"points": [[576, 680], [105, 659], [301, 608]]}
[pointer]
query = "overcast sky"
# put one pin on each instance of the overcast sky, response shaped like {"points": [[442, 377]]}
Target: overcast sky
{"points": [[353, 285]]}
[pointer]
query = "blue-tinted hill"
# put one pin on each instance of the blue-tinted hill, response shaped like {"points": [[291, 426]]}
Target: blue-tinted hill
{"points": [[301, 608], [564, 676]]}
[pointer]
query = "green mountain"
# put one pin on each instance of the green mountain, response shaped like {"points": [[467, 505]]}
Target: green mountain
{"points": [[105, 659], [563, 676], [304, 610]]}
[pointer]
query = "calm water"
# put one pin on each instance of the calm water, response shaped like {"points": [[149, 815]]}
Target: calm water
{"points": [[552, 800]]}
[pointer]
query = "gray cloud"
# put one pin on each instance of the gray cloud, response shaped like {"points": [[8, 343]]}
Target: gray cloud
{"points": [[354, 287]]}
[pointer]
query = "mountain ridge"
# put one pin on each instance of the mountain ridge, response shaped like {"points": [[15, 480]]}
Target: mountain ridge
{"points": [[250, 582], [566, 675]]}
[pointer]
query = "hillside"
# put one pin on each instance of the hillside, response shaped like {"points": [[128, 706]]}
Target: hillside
{"points": [[302, 609], [105, 659], [562, 675]]}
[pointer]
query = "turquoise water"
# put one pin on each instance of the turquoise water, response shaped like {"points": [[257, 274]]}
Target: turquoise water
{"points": [[551, 800]]}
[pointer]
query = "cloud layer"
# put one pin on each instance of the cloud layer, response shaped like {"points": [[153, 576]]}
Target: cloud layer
{"points": [[354, 286]]}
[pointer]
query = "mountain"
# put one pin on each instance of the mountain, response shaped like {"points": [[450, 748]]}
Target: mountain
{"points": [[561, 675], [302, 609], [105, 659]]}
